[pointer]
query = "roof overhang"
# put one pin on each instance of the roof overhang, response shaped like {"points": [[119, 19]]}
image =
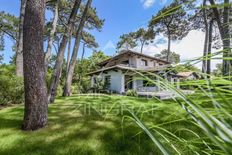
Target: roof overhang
{"points": [[129, 52], [121, 67]]}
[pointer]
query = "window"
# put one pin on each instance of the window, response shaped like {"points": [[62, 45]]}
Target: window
{"points": [[143, 62]]}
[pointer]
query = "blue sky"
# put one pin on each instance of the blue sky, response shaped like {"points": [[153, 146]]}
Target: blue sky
{"points": [[121, 16]]}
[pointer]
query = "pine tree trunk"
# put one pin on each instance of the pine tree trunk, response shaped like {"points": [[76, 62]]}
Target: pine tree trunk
{"points": [[35, 114], [68, 55], [68, 83], [208, 71], [19, 63], [226, 39], [60, 56], [204, 62], [142, 45], [51, 36], [169, 47], [80, 75], [224, 33], [83, 51], [19, 50]]}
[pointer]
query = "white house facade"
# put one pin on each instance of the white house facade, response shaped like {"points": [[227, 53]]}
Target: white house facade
{"points": [[124, 72]]}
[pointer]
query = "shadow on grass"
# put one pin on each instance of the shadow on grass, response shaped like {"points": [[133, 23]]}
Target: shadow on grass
{"points": [[72, 131]]}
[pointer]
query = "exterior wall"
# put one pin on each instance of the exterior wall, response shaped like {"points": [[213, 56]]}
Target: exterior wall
{"points": [[150, 62], [116, 80], [135, 61]]}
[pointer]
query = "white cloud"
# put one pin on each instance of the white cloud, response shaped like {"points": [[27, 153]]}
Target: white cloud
{"points": [[147, 3], [189, 47]]}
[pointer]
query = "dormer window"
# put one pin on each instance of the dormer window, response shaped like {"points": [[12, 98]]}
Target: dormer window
{"points": [[143, 62]]}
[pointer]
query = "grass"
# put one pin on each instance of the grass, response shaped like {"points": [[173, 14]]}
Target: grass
{"points": [[103, 125]]}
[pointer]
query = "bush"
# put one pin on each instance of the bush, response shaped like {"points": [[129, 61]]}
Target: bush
{"points": [[131, 92], [74, 89], [84, 85], [99, 85], [11, 87], [60, 89]]}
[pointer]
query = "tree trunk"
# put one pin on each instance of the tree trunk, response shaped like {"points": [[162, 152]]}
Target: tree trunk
{"points": [[169, 47], [60, 56], [83, 51], [226, 39], [51, 36], [68, 83], [79, 75], [208, 71], [35, 114], [204, 62], [68, 55], [217, 17], [19, 50], [142, 45], [224, 33]]}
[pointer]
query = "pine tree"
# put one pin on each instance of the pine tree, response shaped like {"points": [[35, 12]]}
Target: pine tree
{"points": [[172, 22], [36, 108]]}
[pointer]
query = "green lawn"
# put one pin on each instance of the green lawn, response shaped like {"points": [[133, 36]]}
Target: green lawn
{"points": [[99, 125]]}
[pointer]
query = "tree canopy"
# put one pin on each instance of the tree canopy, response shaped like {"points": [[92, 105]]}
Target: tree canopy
{"points": [[172, 22], [174, 57]]}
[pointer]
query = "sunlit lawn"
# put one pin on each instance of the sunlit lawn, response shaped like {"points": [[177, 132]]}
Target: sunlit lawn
{"points": [[95, 125]]}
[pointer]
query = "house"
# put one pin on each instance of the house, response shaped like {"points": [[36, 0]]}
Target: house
{"points": [[188, 75], [122, 72]]}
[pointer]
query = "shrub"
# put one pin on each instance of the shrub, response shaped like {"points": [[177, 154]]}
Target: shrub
{"points": [[60, 89], [99, 85], [11, 87], [131, 92], [84, 85], [74, 89]]}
